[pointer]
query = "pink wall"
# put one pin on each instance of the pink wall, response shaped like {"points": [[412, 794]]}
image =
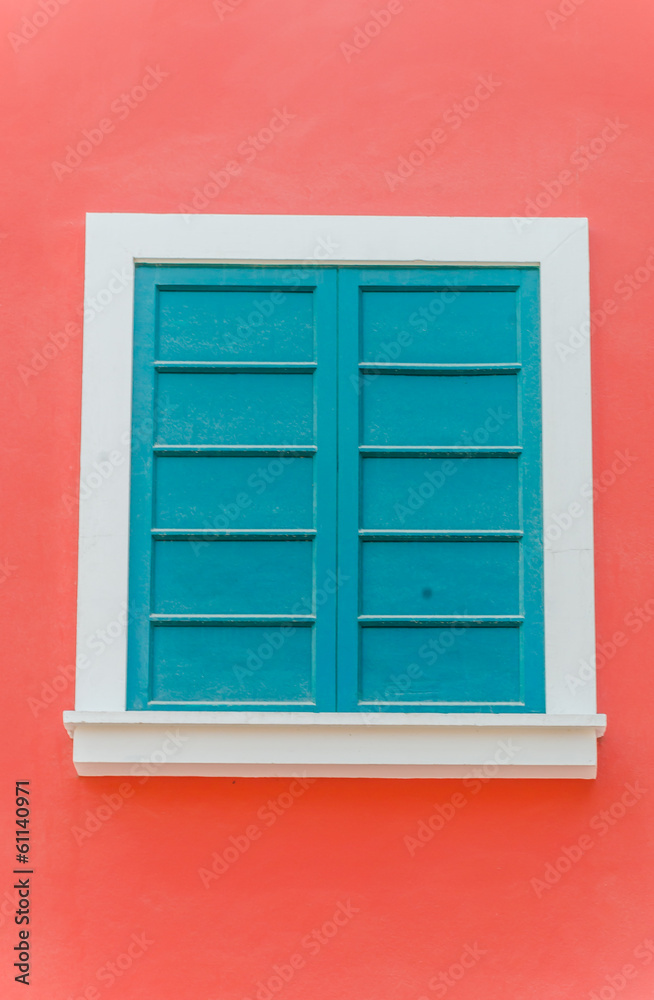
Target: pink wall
{"points": [[555, 81]]}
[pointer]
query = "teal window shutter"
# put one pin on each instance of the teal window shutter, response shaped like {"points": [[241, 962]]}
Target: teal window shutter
{"points": [[440, 490], [336, 490], [233, 509]]}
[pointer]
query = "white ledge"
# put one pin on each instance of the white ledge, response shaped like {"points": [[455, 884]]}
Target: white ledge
{"points": [[331, 744]]}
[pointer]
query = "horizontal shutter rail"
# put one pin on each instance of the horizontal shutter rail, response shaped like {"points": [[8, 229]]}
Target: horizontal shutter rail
{"points": [[238, 534], [474, 621], [237, 450], [299, 620], [233, 411], [409, 535], [428, 368], [379, 704], [441, 451], [200, 367]]}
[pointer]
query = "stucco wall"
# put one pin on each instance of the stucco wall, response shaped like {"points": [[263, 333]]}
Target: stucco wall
{"points": [[168, 93]]}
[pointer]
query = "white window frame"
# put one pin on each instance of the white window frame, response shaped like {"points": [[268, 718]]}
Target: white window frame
{"points": [[562, 742]]}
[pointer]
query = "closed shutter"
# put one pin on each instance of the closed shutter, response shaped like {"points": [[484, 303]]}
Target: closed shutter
{"points": [[233, 489], [336, 489], [440, 490]]}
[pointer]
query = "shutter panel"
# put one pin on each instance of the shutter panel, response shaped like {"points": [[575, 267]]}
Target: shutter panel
{"points": [[440, 490], [233, 505], [234, 575]]}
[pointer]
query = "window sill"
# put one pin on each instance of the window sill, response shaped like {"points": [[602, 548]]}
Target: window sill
{"points": [[340, 745]]}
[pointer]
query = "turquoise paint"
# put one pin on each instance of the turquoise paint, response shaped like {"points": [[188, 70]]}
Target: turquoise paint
{"points": [[233, 533], [420, 409], [271, 407], [234, 493], [259, 324], [440, 494], [440, 499], [235, 408], [471, 667]]}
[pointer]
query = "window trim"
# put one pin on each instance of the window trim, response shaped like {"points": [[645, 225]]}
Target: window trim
{"points": [[108, 739]]}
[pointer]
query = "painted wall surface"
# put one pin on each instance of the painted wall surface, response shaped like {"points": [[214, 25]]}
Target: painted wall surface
{"points": [[531, 890]]}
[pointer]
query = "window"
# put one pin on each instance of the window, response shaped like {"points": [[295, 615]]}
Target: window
{"points": [[347, 440], [339, 505]]}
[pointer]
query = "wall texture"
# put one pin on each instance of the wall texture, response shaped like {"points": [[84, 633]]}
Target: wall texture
{"points": [[160, 886]]}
